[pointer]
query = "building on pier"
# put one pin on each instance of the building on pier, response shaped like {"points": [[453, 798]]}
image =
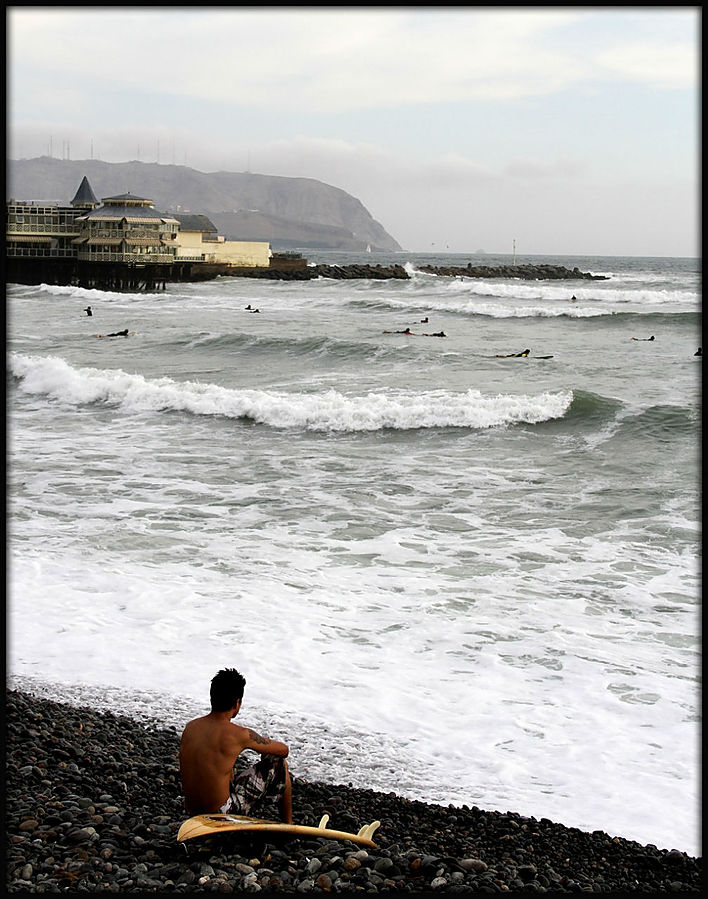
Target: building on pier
{"points": [[123, 230], [198, 239]]}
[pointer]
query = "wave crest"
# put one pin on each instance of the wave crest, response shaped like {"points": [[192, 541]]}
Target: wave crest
{"points": [[328, 411]]}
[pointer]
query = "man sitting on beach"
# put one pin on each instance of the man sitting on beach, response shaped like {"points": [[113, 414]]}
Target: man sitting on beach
{"points": [[208, 751]]}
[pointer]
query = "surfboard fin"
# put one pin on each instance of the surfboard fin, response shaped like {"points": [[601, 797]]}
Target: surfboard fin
{"points": [[368, 830], [323, 822]]}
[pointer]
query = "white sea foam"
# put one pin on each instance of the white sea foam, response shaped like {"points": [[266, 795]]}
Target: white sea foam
{"points": [[504, 688], [91, 293], [327, 411]]}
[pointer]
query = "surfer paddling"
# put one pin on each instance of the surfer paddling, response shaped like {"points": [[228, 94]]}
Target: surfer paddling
{"points": [[414, 334], [123, 333], [208, 751]]}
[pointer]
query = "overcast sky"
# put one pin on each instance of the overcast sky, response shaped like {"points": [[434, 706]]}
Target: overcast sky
{"points": [[570, 130]]}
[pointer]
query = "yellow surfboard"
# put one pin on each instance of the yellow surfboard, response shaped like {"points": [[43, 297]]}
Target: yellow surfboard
{"points": [[203, 825]]}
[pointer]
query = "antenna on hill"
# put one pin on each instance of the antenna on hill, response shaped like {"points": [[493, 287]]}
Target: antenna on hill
{"points": [[513, 262]]}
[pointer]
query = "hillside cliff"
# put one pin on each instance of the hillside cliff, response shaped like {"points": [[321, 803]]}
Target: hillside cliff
{"points": [[287, 212]]}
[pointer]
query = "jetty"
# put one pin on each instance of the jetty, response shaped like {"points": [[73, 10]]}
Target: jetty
{"points": [[382, 272], [525, 272]]}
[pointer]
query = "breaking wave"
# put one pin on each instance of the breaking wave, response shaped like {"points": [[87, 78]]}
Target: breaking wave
{"points": [[323, 411]]}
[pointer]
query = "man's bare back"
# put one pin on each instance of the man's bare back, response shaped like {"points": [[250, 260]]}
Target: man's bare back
{"points": [[208, 751]]}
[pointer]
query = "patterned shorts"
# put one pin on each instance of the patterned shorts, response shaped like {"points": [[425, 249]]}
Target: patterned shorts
{"points": [[251, 786]]}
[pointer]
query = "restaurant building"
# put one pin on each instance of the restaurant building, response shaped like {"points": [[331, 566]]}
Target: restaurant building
{"points": [[121, 241]]}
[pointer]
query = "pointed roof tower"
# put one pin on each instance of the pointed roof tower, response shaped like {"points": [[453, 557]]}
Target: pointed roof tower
{"points": [[85, 196]]}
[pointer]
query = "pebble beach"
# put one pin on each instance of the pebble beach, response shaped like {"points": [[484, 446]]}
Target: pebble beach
{"points": [[93, 803]]}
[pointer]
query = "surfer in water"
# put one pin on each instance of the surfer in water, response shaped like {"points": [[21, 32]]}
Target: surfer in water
{"points": [[208, 751], [407, 331], [523, 355], [643, 338], [123, 333], [88, 310]]}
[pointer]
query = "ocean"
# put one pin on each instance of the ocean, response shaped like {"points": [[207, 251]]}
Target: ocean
{"points": [[464, 577]]}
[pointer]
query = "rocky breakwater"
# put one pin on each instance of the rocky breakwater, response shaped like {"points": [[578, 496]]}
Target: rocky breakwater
{"points": [[93, 804], [340, 272], [378, 272], [382, 272], [525, 272]]}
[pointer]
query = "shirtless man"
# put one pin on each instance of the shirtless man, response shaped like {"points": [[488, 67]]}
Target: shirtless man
{"points": [[209, 748]]}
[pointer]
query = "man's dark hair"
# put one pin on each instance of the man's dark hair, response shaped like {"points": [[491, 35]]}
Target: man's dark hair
{"points": [[226, 689]]}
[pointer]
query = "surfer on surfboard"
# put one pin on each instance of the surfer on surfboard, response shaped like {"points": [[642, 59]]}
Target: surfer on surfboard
{"points": [[413, 333], [208, 751], [523, 355]]}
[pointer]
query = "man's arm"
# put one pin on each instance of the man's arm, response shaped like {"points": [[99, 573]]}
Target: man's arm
{"points": [[265, 746]]}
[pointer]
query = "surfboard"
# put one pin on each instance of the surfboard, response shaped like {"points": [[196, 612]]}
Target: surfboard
{"points": [[413, 334], [205, 825], [129, 334]]}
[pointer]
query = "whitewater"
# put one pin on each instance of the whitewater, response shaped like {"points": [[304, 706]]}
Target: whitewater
{"points": [[465, 578]]}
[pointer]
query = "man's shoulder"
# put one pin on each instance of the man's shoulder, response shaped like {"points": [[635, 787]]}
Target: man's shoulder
{"points": [[196, 724], [238, 730]]}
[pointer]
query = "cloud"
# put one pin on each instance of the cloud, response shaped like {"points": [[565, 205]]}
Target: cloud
{"points": [[558, 169], [664, 66], [340, 59], [433, 117]]}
